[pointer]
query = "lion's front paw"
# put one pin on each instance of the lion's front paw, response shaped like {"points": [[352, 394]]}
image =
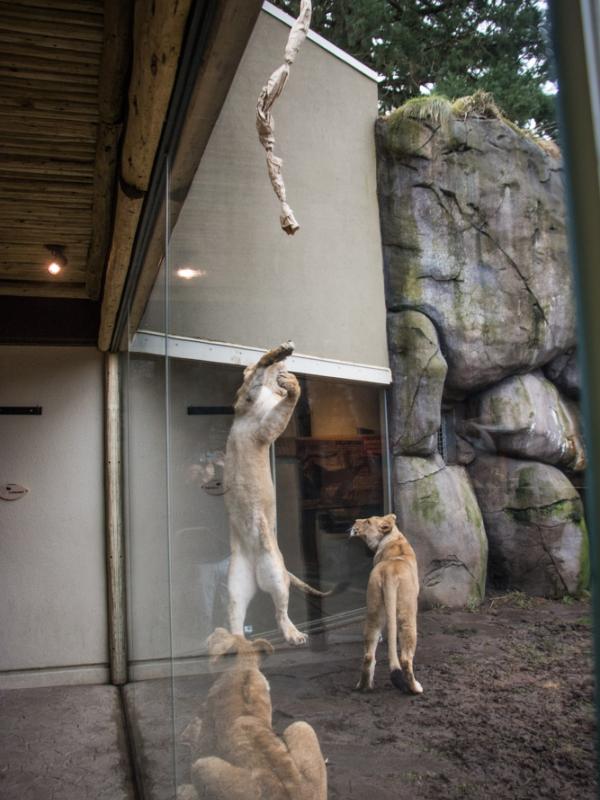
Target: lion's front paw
{"points": [[289, 382]]}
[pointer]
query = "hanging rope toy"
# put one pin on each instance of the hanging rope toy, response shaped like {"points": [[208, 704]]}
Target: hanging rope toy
{"points": [[265, 124]]}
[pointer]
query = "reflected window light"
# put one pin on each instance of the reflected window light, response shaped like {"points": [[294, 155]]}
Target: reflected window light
{"points": [[188, 273]]}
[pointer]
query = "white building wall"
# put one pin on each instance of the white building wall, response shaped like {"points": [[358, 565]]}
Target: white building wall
{"points": [[53, 617], [256, 286]]}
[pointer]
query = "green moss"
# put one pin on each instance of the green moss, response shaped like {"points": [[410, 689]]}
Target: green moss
{"points": [[562, 511], [525, 491], [501, 408], [429, 506]]}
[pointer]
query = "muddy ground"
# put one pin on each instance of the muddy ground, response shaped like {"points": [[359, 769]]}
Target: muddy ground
{"points": [[507, 710]]}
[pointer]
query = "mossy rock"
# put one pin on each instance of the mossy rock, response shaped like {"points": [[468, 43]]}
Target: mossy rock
{"points": [[438, 512], [534, 519]]}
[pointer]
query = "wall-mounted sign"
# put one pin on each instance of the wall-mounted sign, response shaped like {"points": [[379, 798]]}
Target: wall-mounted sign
{"points": [[12, 491], [32, 411]]}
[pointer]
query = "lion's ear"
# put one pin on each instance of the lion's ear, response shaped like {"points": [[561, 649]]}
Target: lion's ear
{"points": [[387, 523], [263, 646]]}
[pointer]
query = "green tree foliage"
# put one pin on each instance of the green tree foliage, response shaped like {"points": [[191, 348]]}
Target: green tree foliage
{"points": [[450, 47]]}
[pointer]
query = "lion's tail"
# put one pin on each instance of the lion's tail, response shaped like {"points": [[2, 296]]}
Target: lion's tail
{"points": [[390, 599], [304, 587]]}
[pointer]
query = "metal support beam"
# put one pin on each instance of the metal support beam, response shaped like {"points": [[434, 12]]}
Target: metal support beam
{"points": [[115, 549], [576, 38]]}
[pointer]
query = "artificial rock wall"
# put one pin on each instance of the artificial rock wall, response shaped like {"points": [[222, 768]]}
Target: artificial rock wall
{"points": [[481, 332]]}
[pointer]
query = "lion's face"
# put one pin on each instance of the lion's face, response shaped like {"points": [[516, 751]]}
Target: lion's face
{"points": [[372, 529]]}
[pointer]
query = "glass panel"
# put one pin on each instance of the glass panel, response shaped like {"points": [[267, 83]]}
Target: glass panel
{"points": [[487, 471]]}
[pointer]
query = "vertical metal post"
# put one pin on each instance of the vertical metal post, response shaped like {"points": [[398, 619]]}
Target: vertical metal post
{"points": [[386, 458], [576, 38], [115, 550]]}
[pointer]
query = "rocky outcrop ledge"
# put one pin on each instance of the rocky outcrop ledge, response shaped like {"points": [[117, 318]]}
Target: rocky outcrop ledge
{"points": [[481, 330]]}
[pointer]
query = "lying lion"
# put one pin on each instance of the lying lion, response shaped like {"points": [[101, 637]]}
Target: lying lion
{"points": [[392, 594], [237, 754]]}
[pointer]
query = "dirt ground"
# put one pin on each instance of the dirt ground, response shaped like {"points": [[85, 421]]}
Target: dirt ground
{"points": [[507, 710]]}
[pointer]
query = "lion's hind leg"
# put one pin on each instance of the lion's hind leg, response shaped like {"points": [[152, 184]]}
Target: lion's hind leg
{"points": [[304, 748], [273, 578], [216, 779], [402, 676], [241, 584], [371, 633]]}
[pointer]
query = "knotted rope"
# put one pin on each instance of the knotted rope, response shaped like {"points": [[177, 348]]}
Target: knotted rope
{"points": [[265, 124]]}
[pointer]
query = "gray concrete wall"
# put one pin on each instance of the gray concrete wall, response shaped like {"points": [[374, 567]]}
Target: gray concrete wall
{"points": [[257, 286], [52, 573]]}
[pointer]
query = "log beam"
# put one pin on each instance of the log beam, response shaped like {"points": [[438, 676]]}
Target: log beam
{"points": [[159, 28], [111, 94]]}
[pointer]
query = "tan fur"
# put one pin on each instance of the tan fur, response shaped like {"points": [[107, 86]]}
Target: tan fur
{"points": [[238, 755], [264, 404], [392, 594]]}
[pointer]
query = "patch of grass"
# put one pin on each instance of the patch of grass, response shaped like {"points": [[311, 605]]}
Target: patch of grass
{"points": [[480, 104], [433, 107], [516, 598], [473, 605], [530, 654], [439, 110], [456, 660], [459, 630]]}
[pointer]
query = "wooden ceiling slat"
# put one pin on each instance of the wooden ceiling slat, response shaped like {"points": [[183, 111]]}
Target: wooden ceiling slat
{"points": [[42, 94], [89, 6], [52, 109], [33, 87], [74, 57], [60, 149], [59, 222], [51, 14], [21, 124], [49, 43], [29, 75], [46, 195], [30, 24], [45, 166], [50, 65]]}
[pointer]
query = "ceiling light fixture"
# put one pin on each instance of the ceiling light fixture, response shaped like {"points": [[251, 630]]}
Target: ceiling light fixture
{"points": [[59, 259]]}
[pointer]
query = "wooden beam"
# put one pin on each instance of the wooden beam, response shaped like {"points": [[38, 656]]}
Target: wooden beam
{"points": [[234, 22], [111, 108], [159, 27]]}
